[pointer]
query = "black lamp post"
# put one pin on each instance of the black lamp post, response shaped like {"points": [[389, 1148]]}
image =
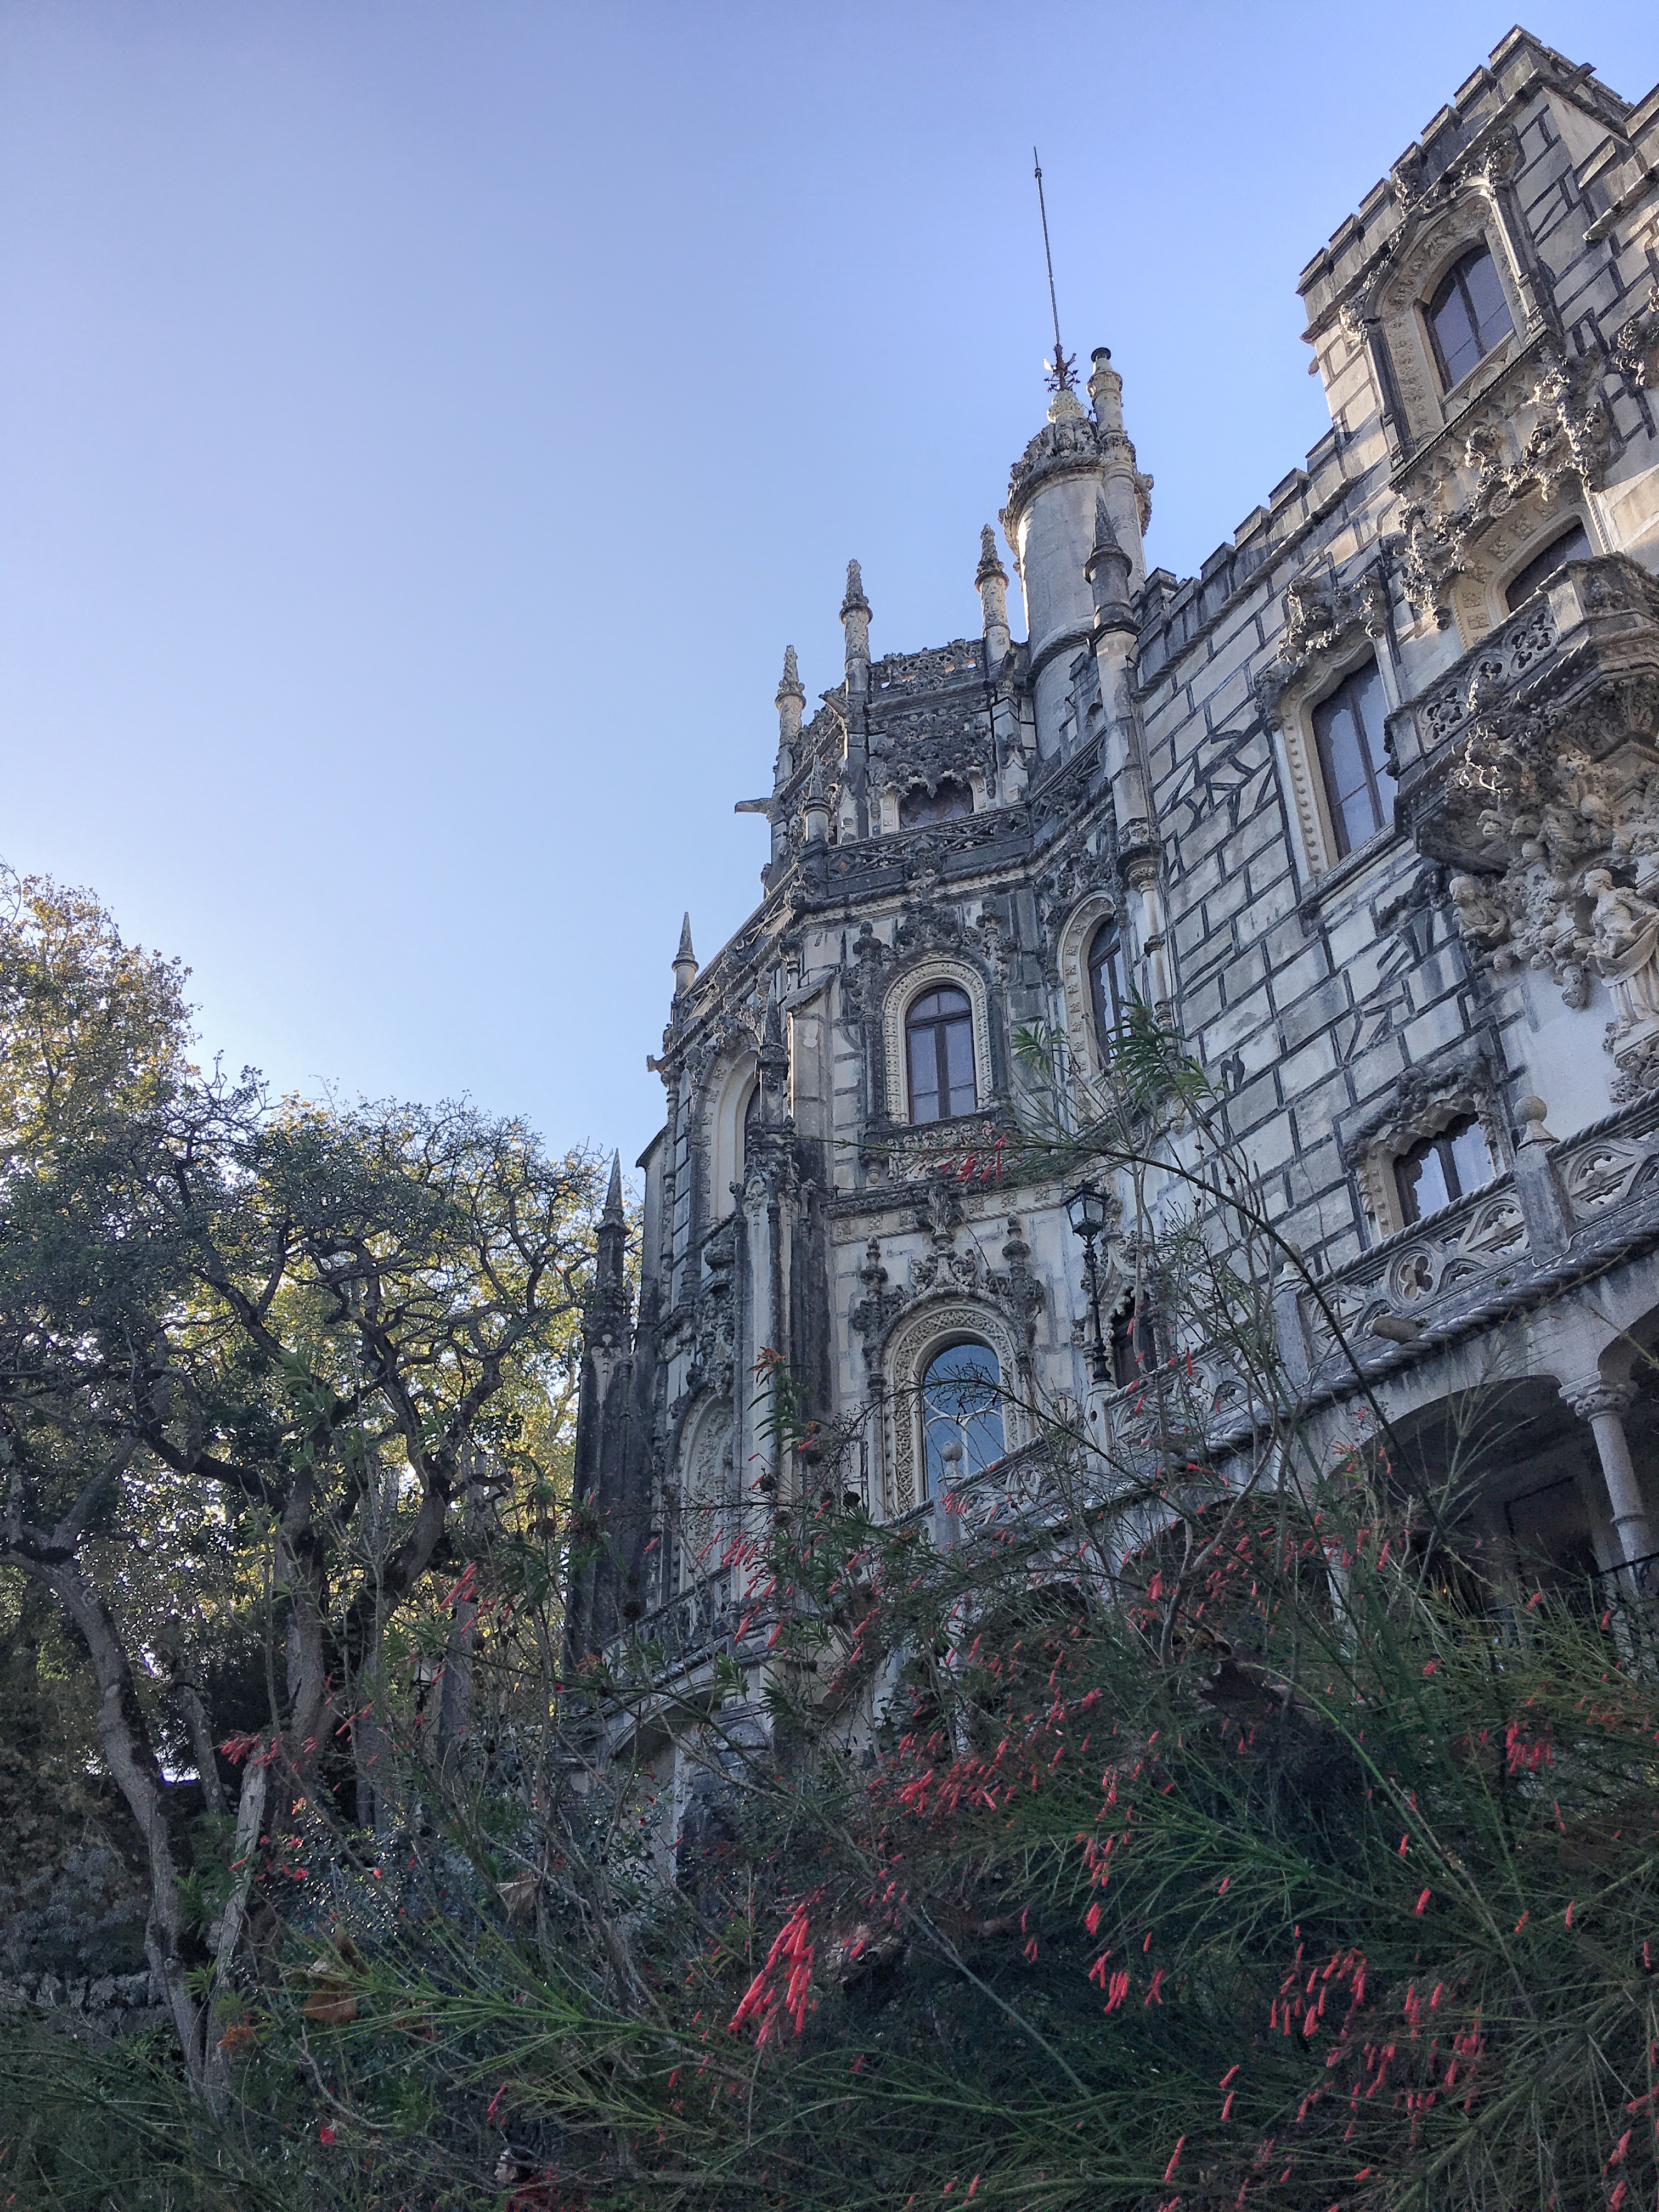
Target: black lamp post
{"points": [[1087, 1211]]}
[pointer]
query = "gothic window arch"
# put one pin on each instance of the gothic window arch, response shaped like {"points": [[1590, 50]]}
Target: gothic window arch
{"points": [[940, 974], [962, 1430], [1507, 565], [1088, 930], [916, 1345], [938, 1054], [1467, 314], [1543, 566], [1353, 770], [730, 1096], [1109, 989]]}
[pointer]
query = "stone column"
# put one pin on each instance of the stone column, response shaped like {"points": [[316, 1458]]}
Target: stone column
{"points": [[1604, 1405], [991, 580]]}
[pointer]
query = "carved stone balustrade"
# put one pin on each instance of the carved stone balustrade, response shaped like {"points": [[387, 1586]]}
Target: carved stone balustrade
{"points": [[689, 1628]]}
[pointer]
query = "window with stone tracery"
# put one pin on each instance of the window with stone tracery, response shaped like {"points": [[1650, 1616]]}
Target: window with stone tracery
{"points": [[1108, 992], [1467, 315], [938, 1035], [1348, 733], [961, 1415], [1446, 1166]]}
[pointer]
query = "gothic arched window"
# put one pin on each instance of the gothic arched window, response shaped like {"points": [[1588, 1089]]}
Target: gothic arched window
{"points": [[1571, 545], [951, 800], [1348, 730], [1107, 993], [961, 1415], [1468, 314], [938, 1037]]}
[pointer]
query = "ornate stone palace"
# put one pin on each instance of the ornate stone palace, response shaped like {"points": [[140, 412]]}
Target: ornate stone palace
{"points": [[1370, 806]]}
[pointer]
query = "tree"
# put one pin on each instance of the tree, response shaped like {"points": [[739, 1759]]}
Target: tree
{"points": [[298, 1339]]}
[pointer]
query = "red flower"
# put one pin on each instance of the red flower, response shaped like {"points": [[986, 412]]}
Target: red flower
{"points": [[325, 2133]]}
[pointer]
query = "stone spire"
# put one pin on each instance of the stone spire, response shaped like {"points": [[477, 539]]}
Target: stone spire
{"points": [[611, 1287], [855, 622], [991, 581], [1107, 570], [790, 702], [685, 962]]}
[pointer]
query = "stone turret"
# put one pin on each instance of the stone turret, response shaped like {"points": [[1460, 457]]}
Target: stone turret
{"points": [[1050, 522]]}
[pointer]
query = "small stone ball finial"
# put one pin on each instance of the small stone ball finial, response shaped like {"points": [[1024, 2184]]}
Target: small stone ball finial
{"points": [[1533, 1113]]}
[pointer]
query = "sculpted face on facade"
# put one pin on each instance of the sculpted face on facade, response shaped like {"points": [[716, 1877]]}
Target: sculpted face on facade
{"points": [[1470, 989]]}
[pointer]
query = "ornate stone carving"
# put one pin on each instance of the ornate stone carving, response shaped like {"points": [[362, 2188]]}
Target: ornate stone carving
{"points": [[1634, 350], [962, 661], [1319, 613], [1521, 441]]}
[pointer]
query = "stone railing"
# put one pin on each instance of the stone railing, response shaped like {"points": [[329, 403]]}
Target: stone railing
{"points": [[1567, 1206], [683, 1630], [1597, 619]]}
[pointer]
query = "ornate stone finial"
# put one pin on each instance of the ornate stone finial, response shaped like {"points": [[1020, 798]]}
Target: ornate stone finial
{"points": [[790, 700], [1533, 1113], [685, 962], [855, 622], [613, 1197], [816, 809], [789, 685], [1105, 537], [1108, 569], [1106, 390], [992, 580]]}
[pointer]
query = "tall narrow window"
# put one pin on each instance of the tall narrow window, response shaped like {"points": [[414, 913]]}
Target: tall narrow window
{"points": [[950, 801], [1468, 315], [1348, 729], [1442, 1168], [1571, 545], [939, 1034], [961, 1414], [1106, 993]]}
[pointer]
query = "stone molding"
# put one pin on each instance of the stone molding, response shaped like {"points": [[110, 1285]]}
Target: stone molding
{"points": [[929, 1328], [927, 973]]}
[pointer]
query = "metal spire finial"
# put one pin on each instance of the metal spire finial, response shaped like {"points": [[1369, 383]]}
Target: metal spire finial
{"points": [[1060, 375]]}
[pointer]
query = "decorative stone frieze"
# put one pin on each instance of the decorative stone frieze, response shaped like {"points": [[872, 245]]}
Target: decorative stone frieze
{"points": [[962, 661]]}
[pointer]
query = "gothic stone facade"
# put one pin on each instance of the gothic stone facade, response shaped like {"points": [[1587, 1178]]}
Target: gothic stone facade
{"points": [[1477, 958]]}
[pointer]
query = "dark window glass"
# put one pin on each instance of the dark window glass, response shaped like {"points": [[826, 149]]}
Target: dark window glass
{"points": [[1130, 1344], [1571, 545], [1348, 728], [949, 801], [939, 1034], [1107, 993], [1440, 1169], [961, 1414], [1467, 315]]}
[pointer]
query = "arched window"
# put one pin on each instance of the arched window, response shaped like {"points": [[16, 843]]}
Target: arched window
{"points": [[938, 1037], [1468, 315], [1107, 993], [1348, 730], [1442, 1168], [1571, 545], [951, 800], [961, 1415]]}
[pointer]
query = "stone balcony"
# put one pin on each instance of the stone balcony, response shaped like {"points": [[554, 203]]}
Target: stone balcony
{"points": [[1564, 1212]]}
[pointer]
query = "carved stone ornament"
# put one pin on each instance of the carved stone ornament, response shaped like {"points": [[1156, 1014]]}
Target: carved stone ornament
{"points": [[1550, 817], [962, 661], [1521, 441], [927, 745], [1319, 613], [1427, 1099], [1634, 350]]}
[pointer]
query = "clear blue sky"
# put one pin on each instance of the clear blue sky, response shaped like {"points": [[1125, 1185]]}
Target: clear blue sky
{"points": [[423, 426]]}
